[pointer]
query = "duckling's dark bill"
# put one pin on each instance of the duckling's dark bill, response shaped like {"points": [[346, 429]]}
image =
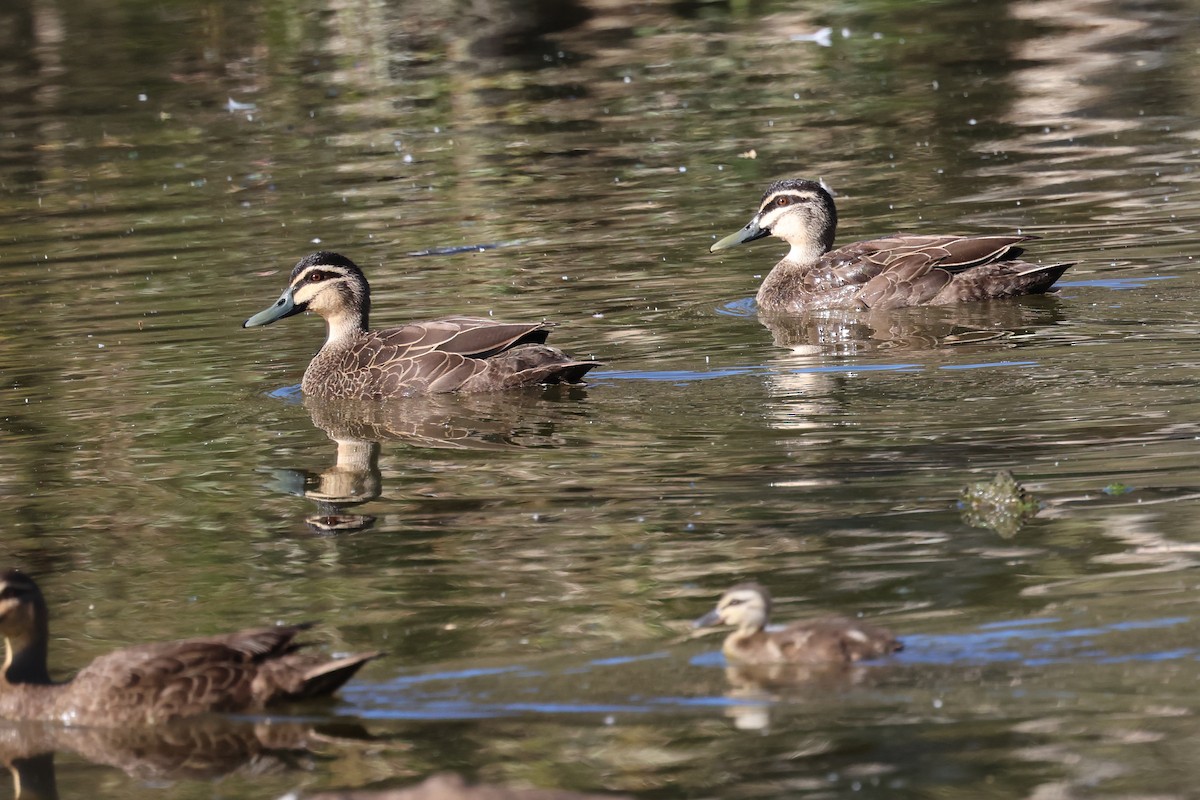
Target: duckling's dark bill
{"points": [[709, 620], [284, 307], [746, 234]]}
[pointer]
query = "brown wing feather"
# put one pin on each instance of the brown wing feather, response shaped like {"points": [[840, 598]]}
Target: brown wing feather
{"points": [[949, 252], [445, 372], [183, 678], [468, 336], [909, 280], [242, 671]]}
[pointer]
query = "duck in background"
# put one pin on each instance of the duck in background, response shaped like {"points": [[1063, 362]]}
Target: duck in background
{"points": [[891, 272]]}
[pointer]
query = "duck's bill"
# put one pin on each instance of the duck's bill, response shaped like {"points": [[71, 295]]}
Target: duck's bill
{"points": [[746, 234], [285, 306], [708, 620]]}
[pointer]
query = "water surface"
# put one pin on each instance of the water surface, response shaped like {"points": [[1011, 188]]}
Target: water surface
{"points": [[529, 561]]}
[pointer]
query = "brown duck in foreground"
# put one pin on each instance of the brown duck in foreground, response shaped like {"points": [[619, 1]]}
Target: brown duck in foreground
{"points": [[457, 354], [892, 272], [747, 606], [241, 672]]}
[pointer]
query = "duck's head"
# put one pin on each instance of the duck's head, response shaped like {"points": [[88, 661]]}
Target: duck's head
{"points": [[327, 283], [24, 624], [746, 606], [801, 212], [22, 607]]}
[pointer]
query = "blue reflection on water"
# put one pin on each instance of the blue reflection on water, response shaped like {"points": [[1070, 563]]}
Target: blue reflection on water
{"points": [[1116, 283], [288, 394], [475, 693], [745, 307]]}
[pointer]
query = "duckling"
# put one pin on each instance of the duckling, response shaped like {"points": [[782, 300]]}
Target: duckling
{"points": [[833, 639], [465, 354], [148, 684], [892, 272]]}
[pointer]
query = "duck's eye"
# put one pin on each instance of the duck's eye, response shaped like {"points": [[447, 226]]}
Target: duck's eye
{"points": [[736, 601], [782, 201], [316, 276]]}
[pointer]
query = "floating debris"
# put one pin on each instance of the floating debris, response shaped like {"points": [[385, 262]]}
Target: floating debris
{"points": [[232, 105], [1001, 504], [823, 37]]}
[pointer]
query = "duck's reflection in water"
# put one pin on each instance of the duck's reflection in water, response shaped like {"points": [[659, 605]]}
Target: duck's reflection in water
{"points": [[529, 418], [755, 688], [821, 348], [841, 333], [202, 748]]}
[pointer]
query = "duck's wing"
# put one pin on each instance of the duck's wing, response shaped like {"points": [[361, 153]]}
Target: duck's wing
{"points": [[951, 253], [909, 270], [431, 356], [236, 672], [473, 337]]}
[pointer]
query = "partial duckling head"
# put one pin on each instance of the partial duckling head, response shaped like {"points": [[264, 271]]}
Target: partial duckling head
{"points": [[327, 283], [746, 606], [801, 212]]}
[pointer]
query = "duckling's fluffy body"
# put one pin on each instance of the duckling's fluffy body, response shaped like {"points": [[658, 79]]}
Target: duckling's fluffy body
{"points": [[890, 272], [747, 607]]}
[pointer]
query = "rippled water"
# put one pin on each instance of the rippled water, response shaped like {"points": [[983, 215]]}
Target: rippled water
{"points": [[529, 561]]}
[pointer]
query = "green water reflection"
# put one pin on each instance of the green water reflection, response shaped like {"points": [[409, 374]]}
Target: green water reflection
{"points": [[529, 561]]}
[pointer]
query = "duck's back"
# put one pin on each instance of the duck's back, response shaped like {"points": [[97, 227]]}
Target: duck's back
{"points": [[826, 640], [239, 672], [446, 355], [909, 270]]}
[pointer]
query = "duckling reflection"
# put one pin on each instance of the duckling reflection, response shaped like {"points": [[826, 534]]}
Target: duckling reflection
{"points": [[829, 640], [153, 684]]}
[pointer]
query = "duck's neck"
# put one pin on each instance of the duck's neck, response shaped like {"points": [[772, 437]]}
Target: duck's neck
{"points": [[25, 657], [783, 284], [805, 253], [345, 326], [748, 630], [741, 640]]}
